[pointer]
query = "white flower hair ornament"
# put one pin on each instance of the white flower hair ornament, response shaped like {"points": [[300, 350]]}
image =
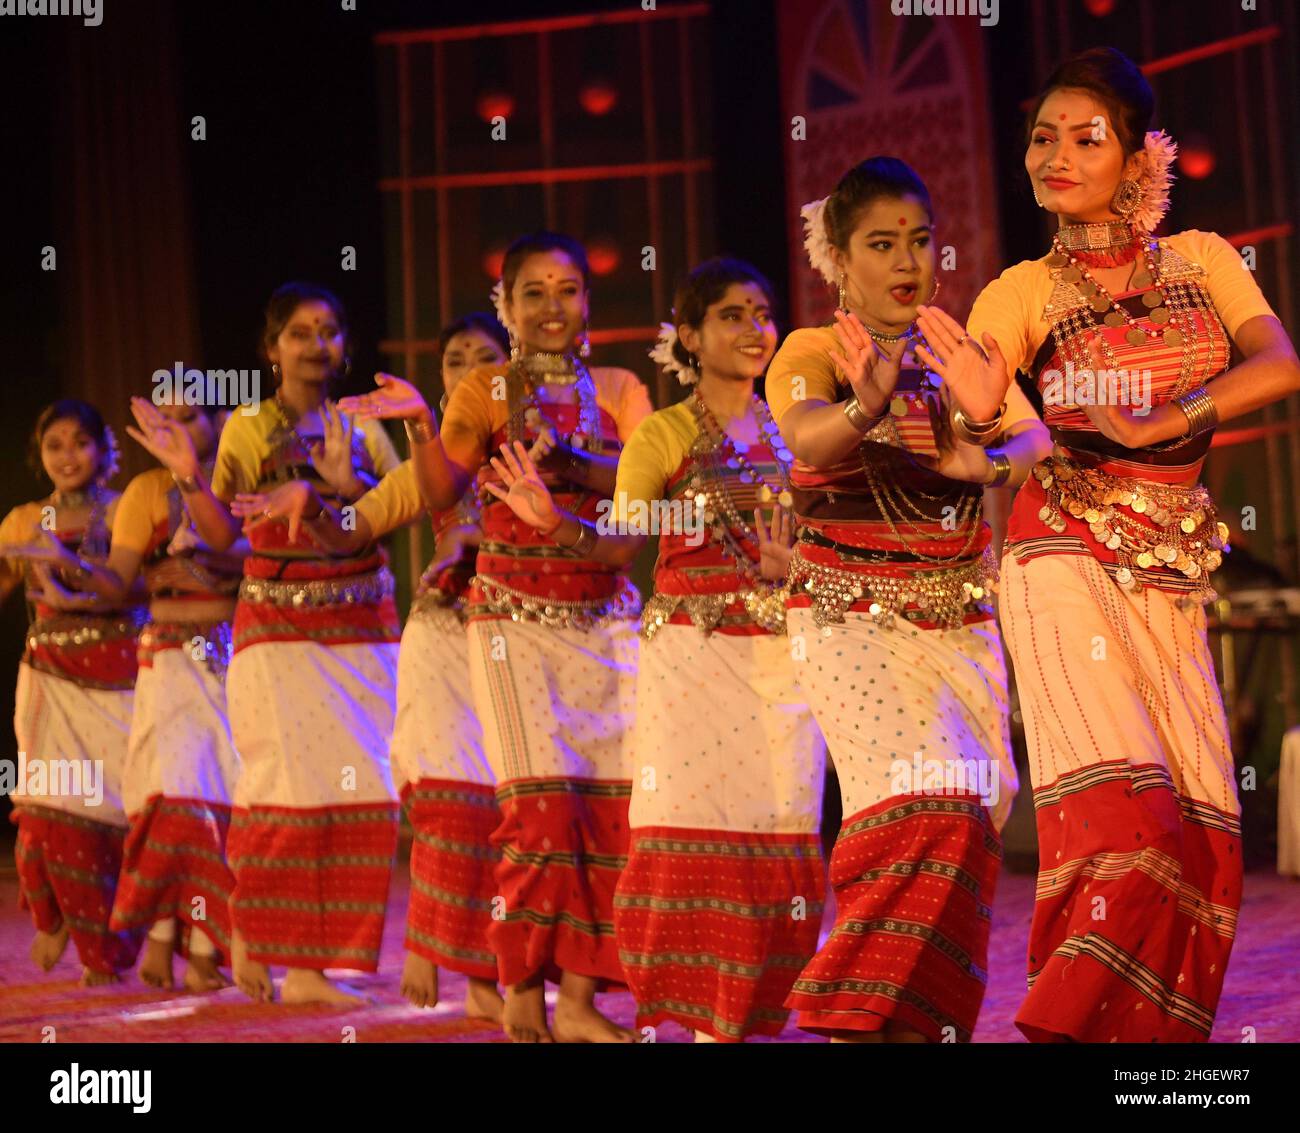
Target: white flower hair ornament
{"points": [[499, 303], [817, 243], [663, 355], [1154, 176]]}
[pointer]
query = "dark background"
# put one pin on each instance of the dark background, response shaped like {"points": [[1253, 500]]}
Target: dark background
{"points": [[288, 172]]}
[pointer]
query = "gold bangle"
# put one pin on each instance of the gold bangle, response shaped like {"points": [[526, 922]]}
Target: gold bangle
{"points": [[187, 484], [420, 432], [976, 432], [858, 417]]}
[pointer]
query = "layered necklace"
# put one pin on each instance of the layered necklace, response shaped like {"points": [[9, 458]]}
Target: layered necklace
{"points": [[717, 458], [1172, 305], [529, 374], [894, 504], [94, 535], [927, 384]]}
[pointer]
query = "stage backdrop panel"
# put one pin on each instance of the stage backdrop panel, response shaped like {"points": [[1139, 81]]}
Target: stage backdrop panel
{"points": [[867, 82]]}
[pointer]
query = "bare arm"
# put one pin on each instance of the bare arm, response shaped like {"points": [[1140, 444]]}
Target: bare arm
{"points": [[1269, 373]]}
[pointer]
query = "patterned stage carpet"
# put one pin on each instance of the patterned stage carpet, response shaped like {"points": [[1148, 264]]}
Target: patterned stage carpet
{"points": [[1262, 989]]}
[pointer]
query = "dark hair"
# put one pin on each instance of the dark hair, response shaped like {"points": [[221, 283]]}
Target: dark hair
{"points": [[69, 409], [286, 299], [475, 320], [877, 178], [704, 286], [1115, 81], [537, 242]]}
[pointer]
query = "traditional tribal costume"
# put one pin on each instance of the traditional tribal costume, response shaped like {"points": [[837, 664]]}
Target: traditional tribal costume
{"points": [[552, 652], [310, 687], [181, 765], [437, 751], [1108, 553], [890, 590], [719, 907], [73, 710]]}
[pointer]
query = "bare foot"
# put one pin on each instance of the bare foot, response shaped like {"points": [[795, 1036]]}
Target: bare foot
{"points": [[419, 981], [98, 979], [483, 1001], [577, 1021], [251, 976], [305, 985], [49, 946], [156, 967], [523, 1014], [203, 974], [576, 1017]]}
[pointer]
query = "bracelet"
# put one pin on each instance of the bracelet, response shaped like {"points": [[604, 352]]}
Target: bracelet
{"points": [[559, 520], [1199, 409], [976, 432], [585, 543], [420, 432], [1001, 468], [859, 418], [187, 484]]}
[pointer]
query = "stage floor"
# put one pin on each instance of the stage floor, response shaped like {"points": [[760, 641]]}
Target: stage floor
{"points": [[1262, 989]]}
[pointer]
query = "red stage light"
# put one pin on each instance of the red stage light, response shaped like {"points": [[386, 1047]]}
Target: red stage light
{"points": [[495, 104], [1099, 7], [598, 97], [492, 261], [1196, 158], [603, 256]]}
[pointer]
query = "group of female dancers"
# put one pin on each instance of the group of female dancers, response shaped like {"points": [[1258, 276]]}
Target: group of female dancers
{"points": [[598, 807]]}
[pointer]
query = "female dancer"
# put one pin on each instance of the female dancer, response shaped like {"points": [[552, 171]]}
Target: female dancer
{"points": [[311, 682], [720, 903], [890, 587], [180, 764], [552, 648], [73, 703], [437, 745], [1109, 548]]}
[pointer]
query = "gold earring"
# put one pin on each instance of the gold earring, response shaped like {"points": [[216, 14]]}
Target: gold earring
{"points": [[844, 303], [936, 289], [1033, 188], [1127, 198]]}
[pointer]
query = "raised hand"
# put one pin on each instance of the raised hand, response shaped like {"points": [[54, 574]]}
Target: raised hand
{"points": [[775, 543], [395, 398], [167, 441], [977, 378], [289, 502], [524, 493], [332, 455], [872, 371]]}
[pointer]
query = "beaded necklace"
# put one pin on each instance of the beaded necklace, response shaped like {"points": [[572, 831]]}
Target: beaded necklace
{"points": [[715, 452], [94, 536], [523, 385]]}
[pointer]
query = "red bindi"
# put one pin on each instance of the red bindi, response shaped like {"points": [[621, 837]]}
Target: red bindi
{"points": [[1062, 117], [902, 220]]}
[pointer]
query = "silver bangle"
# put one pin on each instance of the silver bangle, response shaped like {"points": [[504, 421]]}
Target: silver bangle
{"points": [[976, 432], [1199, 409], [585, 543], [1002, 468]]}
